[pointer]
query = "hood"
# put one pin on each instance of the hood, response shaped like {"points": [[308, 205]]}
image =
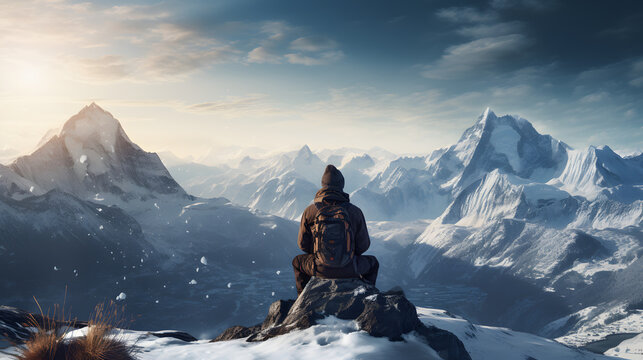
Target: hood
{"points": [[332, 179], [326, 194]]}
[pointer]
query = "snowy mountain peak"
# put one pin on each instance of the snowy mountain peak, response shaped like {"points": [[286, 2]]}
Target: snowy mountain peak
{"points": [[599, 170], [92, 157], [486, 114], [509, 143], [93, 124], [305, 152]]}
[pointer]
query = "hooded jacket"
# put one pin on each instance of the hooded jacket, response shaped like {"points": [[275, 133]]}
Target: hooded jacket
{"points": [[332, 192]]}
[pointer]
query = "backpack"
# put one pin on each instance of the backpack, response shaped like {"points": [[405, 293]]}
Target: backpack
{"points": [[332, 232]]}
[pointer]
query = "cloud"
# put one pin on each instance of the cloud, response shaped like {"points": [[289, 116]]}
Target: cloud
{"points": [[234, 106], [490, 30], [277, 30], [511, 91], [313, 43], [145, 43], [620, 73], [372, 105], [466, 15], [480, 55], [636, 74], [137, 12], [104, 68], [248, 105], [494, 46], [323, 58], [261, 55], [594, 97], [172, 63], [525, 4], [284, 43]]}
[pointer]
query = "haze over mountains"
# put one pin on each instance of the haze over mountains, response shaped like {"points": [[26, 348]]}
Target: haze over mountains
{"points": [[508, 227]]}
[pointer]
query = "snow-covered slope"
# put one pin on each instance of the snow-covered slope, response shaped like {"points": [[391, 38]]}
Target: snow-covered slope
{"points": [[15, 186], [600, 171], [333, 338], [628, 349]]}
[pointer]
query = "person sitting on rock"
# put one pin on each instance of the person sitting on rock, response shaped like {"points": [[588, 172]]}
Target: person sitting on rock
{"points": [[333, 235]]}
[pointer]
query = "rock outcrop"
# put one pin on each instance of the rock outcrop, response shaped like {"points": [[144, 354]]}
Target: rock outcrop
{"points": [[381, 314]]}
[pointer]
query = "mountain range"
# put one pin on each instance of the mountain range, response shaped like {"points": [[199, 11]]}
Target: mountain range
{"points": [[507, 227], [503, 204]]}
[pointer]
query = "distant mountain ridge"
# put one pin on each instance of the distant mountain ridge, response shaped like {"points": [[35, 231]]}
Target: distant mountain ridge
{"points": [[504, 205]]}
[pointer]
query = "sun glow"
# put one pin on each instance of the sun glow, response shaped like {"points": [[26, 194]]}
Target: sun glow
{"points": [[30, 76]]}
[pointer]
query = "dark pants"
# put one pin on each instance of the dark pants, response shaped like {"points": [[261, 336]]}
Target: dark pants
{"points": [[304, 267]]}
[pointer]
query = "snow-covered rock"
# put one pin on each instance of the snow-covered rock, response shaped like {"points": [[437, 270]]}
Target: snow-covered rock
{"points": [[380, 314]]}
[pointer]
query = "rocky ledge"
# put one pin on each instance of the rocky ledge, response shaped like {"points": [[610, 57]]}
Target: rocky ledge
{"points": [[381, 314]]}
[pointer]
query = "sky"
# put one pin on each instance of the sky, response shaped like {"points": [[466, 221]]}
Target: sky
{"points": [[193, 77]]}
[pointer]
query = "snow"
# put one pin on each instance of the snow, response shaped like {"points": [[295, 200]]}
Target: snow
{"points": [[599, 323], [204, 261], [333, 338], [505, 141], [360, 290], [494, 343], [629, 349], [122, 296], [192, 282], [580, 176]]}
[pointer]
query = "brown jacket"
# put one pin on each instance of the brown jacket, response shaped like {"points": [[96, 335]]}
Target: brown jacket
{"points": [[305, 240]]}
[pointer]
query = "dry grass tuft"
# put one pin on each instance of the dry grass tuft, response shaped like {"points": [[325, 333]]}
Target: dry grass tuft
{"points": [[100, 342]]}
